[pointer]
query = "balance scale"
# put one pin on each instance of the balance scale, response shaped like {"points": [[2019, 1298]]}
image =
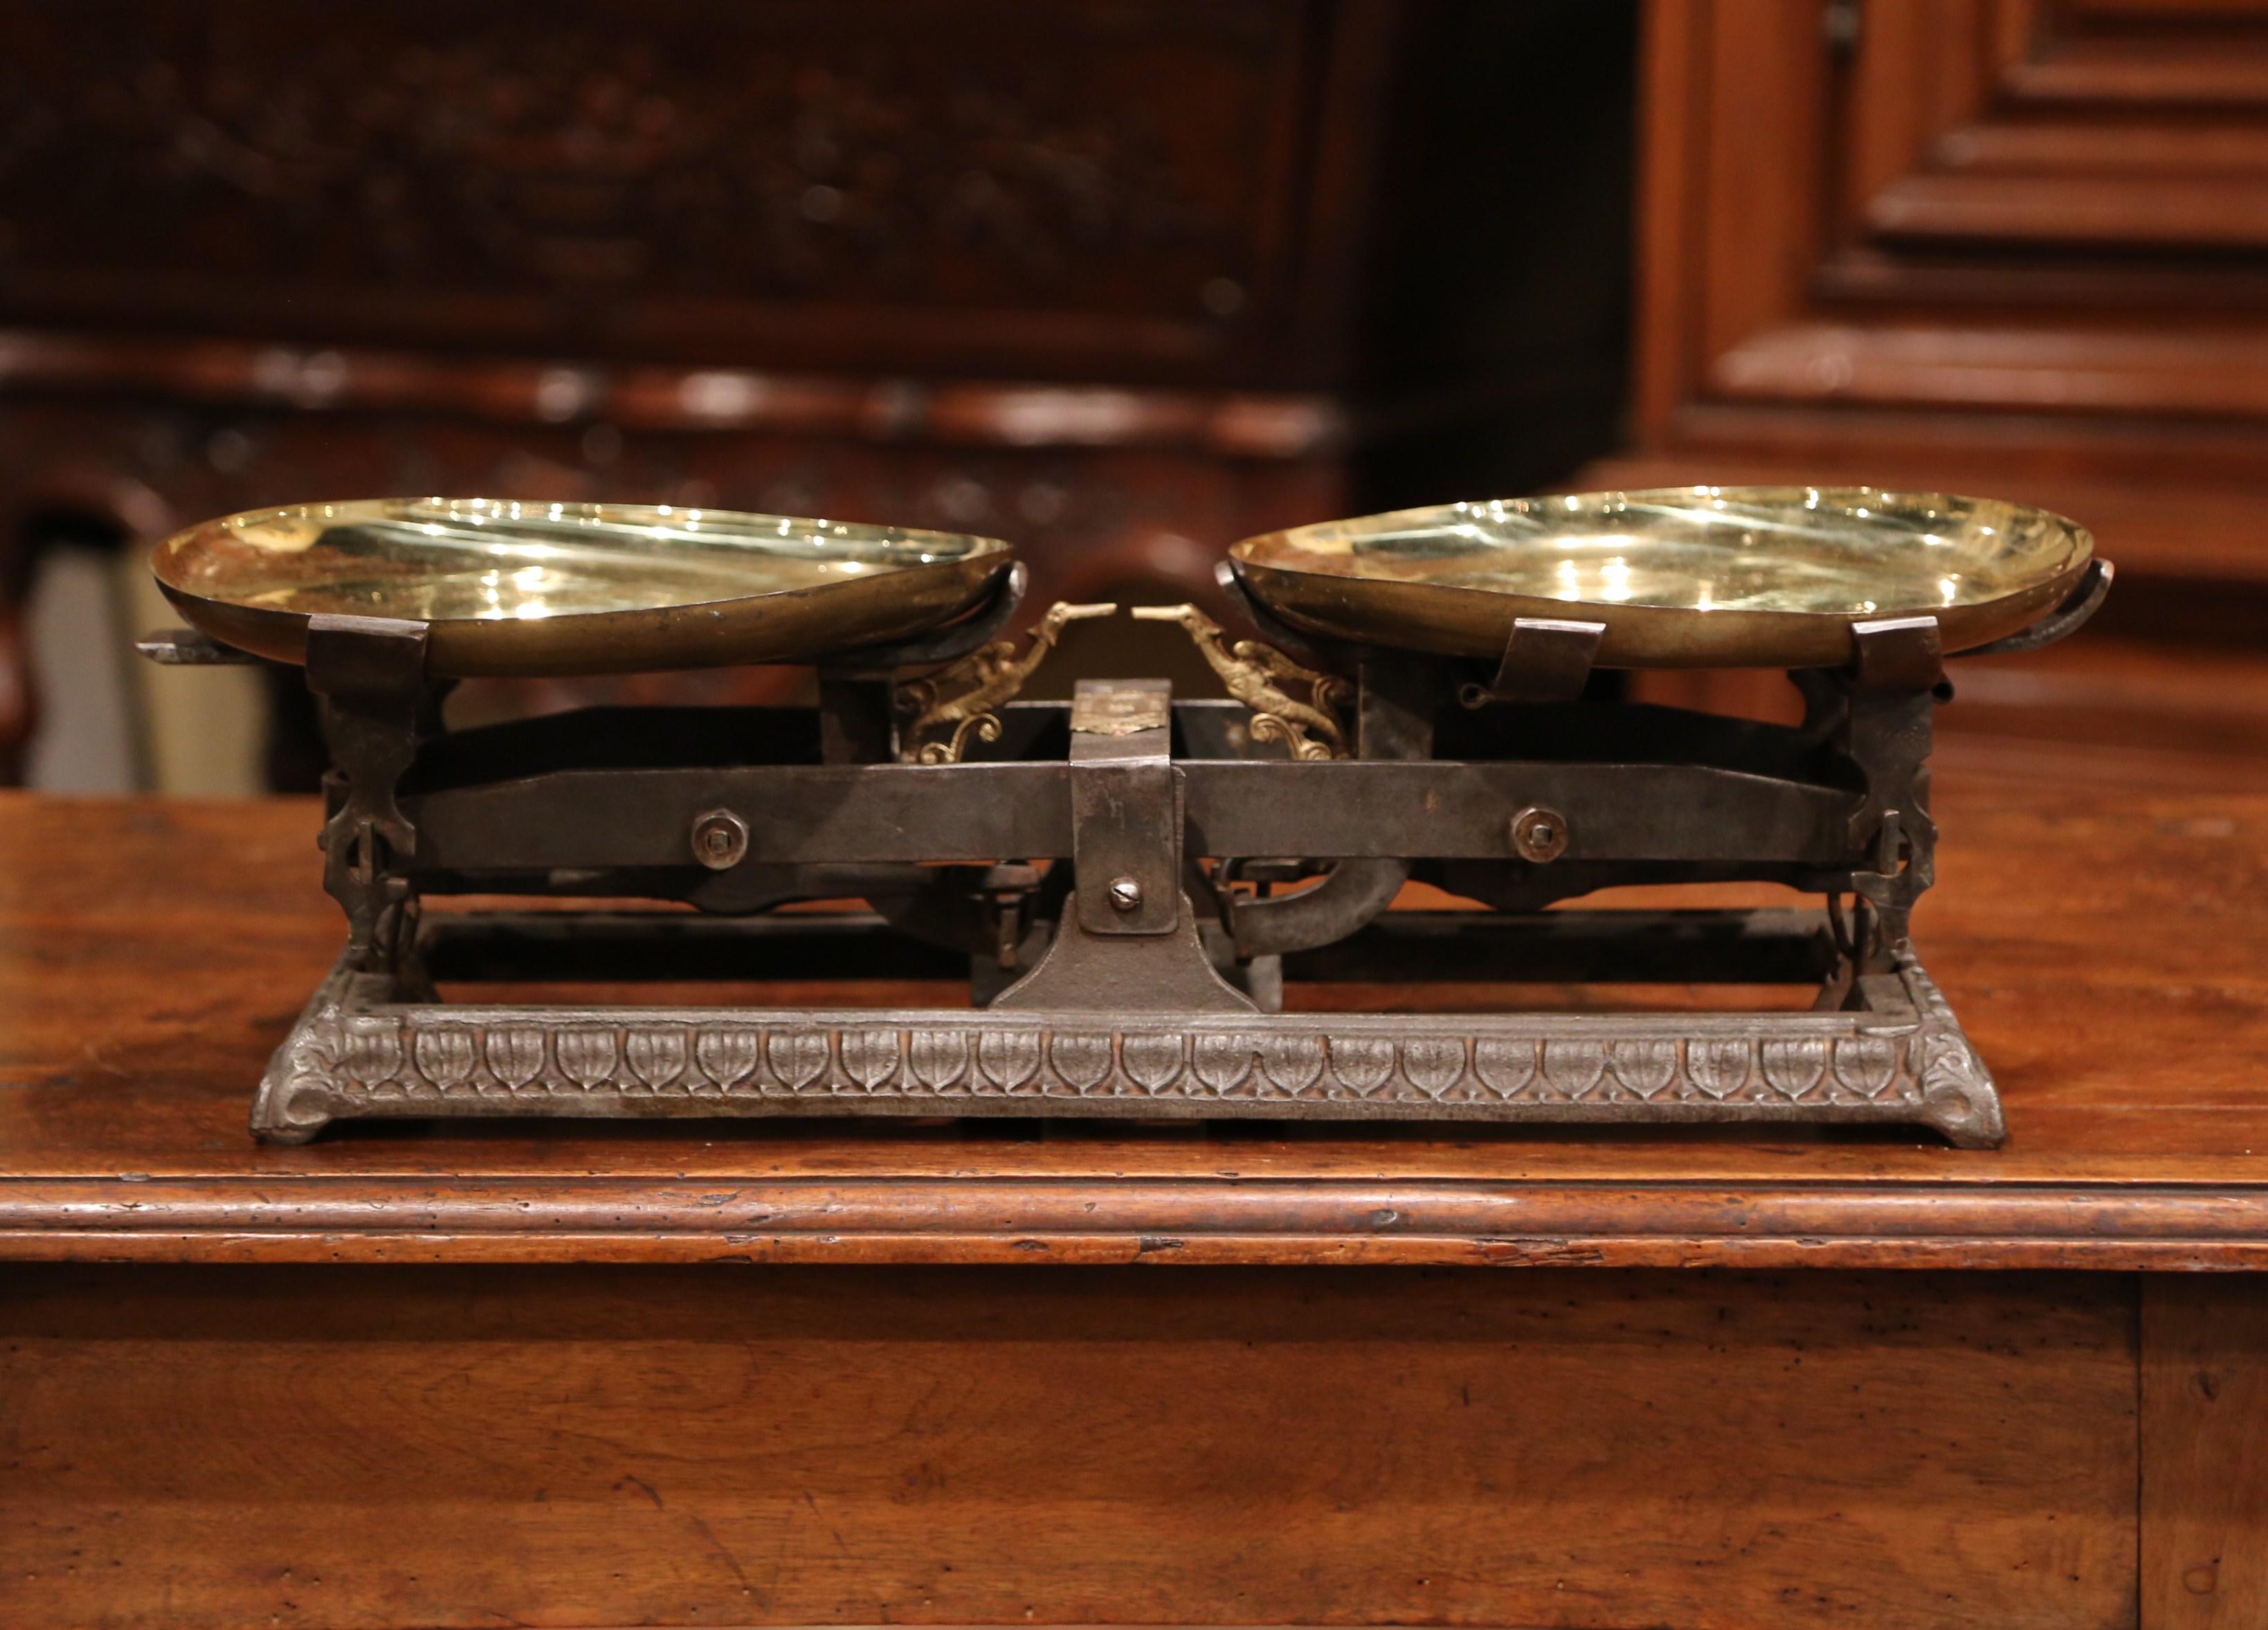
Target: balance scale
{"points": [[1129, 882]]}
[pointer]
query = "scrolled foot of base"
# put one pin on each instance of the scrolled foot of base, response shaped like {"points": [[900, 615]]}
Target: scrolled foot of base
{"points": [[288, 1134], [1970, 1119], [1958, 1097], [288, 1114], [294, 1101]]}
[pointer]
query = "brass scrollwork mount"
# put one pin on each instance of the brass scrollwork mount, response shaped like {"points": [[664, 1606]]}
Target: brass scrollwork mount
{"points": [[958, 701], [1256, 674]]}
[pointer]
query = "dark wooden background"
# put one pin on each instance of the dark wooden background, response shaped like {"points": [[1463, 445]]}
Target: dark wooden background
{"points": [[1120, 282], [2012, 246], [1125, 280]]}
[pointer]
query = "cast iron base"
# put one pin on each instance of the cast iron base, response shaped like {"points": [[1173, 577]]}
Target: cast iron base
{"points": [[1893, 1053]]}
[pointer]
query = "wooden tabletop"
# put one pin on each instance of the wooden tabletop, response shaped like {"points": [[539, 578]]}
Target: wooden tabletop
{"points": [[2107, 950]]}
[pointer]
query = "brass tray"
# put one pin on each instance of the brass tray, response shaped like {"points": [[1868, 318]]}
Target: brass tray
{"points": [[532, 588], [1685, 577]]}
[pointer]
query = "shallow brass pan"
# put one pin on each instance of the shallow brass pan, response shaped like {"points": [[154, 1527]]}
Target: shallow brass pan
{"points": [[539, 588], [1685, 577]]}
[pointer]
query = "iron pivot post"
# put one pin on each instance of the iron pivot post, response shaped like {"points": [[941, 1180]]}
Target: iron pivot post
{"points": [[1128, 937], [369, 674]]}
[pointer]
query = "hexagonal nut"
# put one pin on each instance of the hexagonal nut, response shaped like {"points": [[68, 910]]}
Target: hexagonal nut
{"points": [[1539, 834], [720, 839]]}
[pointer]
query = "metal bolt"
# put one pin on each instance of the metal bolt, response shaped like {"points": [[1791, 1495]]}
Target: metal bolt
{"points": [[1125, 894], [1539, 835], [720, 839]]}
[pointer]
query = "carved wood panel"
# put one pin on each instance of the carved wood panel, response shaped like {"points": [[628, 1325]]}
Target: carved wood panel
{"points": [[2044, 207], [2083, 126], [2015, 246], [682, 178]]}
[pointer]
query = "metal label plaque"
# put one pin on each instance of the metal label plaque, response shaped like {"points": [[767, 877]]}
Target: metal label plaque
{"points": [[1119, 711]]}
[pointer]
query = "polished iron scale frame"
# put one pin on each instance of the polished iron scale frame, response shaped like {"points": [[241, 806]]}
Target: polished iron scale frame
{"points": [[1123, 978]]}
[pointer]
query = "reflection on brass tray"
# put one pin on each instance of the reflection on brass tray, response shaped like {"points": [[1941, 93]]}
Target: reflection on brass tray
{"points": [[1686, 577], [959, 699], [512, 586], [1256, 674]]}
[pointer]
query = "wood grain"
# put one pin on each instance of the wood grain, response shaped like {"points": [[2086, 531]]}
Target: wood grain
{"points": [[1999, 247], [1994, 205], [2106, 954], [2205, 1453], [1981, 246], [640, 399], [700, 231], [194, 1448]]}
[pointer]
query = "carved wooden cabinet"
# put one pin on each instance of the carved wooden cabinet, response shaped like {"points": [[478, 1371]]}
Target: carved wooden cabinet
{"points": [[2015, 207], [1114, 278], [2017, 247], [990, 187]]}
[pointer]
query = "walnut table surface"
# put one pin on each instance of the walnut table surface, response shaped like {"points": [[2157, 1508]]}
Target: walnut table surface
{"points": [[2109, 961], [220, 1405]]}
